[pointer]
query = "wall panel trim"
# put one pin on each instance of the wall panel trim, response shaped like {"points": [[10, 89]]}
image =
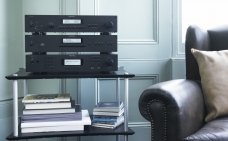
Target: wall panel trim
{"points": [[155, 31], [139, 124]]}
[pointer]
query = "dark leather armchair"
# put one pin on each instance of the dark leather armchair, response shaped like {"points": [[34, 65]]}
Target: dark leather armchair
{"points": [[176, 108]]}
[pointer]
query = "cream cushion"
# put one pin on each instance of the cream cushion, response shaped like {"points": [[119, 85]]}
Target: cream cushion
{"points": [[213, 68]]}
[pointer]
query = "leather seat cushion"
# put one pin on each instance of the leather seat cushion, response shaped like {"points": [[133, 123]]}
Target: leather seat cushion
{"points": [[215, 130]]}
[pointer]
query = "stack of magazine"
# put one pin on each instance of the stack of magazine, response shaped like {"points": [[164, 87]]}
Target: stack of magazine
{"points": [[108, 114], [52, 113]]}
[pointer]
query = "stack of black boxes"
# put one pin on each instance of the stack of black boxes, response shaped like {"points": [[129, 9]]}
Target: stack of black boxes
{"points": [[70, 44]]}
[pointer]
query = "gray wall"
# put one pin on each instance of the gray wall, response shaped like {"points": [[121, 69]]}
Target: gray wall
{"points": [[149, 51], [11, 58], [178, 68]]}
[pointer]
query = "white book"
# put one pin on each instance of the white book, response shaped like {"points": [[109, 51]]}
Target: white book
{"points": [[52, 117], [50, 105], [73, 109], [53, 128], [85, 121], [48, 111], [110, 113], [43, 98]]}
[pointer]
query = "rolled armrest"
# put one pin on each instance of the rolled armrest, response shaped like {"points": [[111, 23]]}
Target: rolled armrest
{"points": [[175, 109]]}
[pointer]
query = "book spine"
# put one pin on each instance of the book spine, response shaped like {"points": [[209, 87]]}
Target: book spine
{"points": [[52, 129]]}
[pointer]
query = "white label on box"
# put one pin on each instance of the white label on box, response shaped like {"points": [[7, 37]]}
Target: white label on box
{"points": [[72, 21], [72, 62], [71, 40]]}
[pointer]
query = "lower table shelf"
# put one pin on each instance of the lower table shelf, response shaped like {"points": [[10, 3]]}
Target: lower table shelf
{"points": [[88, 131]]}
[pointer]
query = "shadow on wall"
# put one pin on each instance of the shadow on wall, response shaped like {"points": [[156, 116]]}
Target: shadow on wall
{"points": [[11, 51], [11, 57]]}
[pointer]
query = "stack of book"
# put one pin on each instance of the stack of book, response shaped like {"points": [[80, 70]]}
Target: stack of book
{"points": [[108, 114], [52, 112]]}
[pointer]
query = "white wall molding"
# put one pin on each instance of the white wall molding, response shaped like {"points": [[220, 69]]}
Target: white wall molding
{"points": [[155, 32], [143, 60], [155, 22], [78, 3], [139, 124], [96, 7], [153, 77], [137, 42], [177, 45], [62, 7]]}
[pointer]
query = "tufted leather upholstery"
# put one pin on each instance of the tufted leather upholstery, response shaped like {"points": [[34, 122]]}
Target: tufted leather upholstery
{"points": [[175, 108]]}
